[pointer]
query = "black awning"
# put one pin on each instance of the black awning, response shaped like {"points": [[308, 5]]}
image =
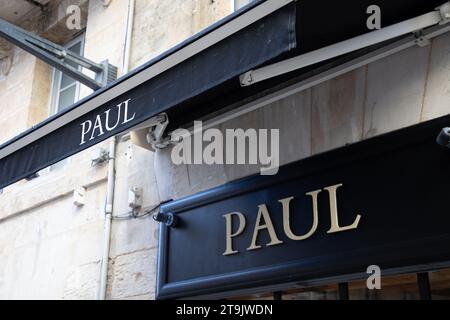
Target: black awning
{"points": [[247, 39], [200, 76]]}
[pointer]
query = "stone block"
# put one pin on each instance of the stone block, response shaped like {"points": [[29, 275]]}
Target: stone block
{"points": [[172, 180], [395, 91], [133, 235], [134, 274], [338, 111], [437, 95]]}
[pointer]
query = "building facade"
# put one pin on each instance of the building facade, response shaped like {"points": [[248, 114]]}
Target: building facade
{"points": [[52, 243]]}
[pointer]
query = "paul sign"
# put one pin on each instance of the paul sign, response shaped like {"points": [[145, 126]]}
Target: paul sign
{"points": [[106, 121], [264, 222], [383, 202]]}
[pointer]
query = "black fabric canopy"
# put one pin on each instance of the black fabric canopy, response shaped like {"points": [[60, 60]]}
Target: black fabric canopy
{"points": [[204, 80]]}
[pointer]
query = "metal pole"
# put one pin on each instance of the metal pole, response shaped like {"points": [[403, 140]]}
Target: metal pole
{"points": [[108, 219], [52, 53]]}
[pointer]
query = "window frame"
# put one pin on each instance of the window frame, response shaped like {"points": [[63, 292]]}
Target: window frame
{"points": [[57, 78], [55, 94]]}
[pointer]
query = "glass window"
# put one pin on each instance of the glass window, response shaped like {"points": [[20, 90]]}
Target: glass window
{"points": [[398, 287], [393, 287], [65, 90], [324, 292]]}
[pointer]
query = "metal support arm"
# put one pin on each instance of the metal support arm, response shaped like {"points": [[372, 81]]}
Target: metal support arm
{"points": [[58, 56], [150, 134], [440, 16]]}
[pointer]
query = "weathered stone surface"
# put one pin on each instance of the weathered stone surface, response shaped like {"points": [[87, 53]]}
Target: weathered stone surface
{"points": [[172, 181], [50, 187], [15, 95], [134, 169], [292, 116], [203, 177], [49, 248], [134, 274], [81, 282], [13, 11], [437, 95], [149, 37], [40, 94], [149, 296], [5, 49], [395, 91], [252, 120], [134, 234], [160, 25], [44, 251], [56, 29], [177, 181], [338, 111]]}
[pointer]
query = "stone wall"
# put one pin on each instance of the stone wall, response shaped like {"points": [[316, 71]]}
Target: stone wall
{"points": [[24, 94], [39, 224]]}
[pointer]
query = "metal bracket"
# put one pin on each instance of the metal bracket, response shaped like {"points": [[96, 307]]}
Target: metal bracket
{"points": [[445, 13], [155, 135], [99, 157], [58, 56], [169, 219], [150, 134], [106, 3], [443, 138], [421, 40]]}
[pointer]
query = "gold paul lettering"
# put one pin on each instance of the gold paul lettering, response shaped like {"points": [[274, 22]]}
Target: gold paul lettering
{"points": [[286, 217], [264, 222], [263, 214], [229, 231], [334, 212]]}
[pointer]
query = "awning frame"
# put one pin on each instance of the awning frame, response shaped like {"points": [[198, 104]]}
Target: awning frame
{"points": [[330, 73], [440, 16]]}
